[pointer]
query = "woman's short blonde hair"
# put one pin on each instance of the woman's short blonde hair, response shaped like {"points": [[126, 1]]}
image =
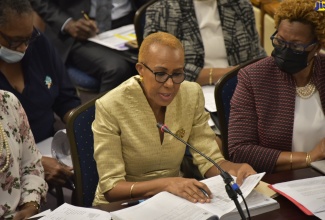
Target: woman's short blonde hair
{"points": [[302, 11], [160, 38]]}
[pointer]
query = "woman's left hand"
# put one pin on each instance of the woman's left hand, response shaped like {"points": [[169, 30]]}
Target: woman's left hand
{"points": [[26, 212]]}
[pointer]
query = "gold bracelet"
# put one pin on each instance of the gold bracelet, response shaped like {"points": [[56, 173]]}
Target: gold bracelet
{"points": [[291, 161], [210, 76], [308, 159], [132, 189]]}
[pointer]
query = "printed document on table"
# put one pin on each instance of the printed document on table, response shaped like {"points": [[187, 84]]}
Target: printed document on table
{"points": [[165, 205], [221, 203], [116, 38], [68, 212], [310, 193]]}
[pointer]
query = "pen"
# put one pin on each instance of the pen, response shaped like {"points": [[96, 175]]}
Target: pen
{"points": [[204, 192], [71, 183], [85, 15], [136, 202]]}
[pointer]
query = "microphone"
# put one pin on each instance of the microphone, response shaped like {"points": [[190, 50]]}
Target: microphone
{"points": [[228, 180], [232, 188]]}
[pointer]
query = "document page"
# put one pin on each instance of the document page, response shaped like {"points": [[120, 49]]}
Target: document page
{"points": [[221, 203], [116, 38], [308, 192], [165, 205], [210, 103], [68, 212]]}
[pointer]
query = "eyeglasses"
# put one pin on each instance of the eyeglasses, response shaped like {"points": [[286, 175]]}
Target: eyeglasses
{"points": [[162, 77], [15, 42], [297, 48]]}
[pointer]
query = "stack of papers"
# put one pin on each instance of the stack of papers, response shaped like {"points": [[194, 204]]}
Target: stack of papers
{"points": [[307, 194], [116, 38]]}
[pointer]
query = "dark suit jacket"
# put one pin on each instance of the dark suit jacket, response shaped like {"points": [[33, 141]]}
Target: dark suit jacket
{"points": [[55, 13]]}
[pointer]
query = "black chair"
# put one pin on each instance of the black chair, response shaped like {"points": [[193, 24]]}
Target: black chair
{"points": [[140, 20], [82, 149], [223, 92]]}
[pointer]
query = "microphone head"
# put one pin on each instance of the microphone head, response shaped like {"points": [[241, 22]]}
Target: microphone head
{"points": [[163, 128]]}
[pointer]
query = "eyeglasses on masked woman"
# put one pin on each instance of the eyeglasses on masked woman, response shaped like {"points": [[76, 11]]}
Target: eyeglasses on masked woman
{"points": [[15, 42], [296, 48]]}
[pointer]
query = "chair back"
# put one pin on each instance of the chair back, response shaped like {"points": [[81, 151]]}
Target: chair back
{"points": [[224, 89], [140, 20], [82, 150]]}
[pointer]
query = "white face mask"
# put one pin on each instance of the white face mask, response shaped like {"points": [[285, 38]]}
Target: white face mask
{"points": [[10, 56]]}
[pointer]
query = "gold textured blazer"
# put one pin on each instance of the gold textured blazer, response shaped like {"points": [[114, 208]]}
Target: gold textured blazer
{"points": [[126, 139]]}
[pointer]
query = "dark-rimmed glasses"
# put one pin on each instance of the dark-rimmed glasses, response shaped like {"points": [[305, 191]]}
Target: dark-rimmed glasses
{"points": [[15, 42], [296, 48], [162, 77]]}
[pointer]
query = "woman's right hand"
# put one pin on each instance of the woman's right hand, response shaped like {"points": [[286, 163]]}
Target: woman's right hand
{"points": [[318, 153], [81, 29], [55, 172], [189, 189]]}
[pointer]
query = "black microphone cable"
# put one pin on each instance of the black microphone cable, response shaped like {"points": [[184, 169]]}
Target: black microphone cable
{"points": [[232, 188]]}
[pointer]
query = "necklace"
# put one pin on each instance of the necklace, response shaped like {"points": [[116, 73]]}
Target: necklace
{"points": [[5, 145], [306, 91]]}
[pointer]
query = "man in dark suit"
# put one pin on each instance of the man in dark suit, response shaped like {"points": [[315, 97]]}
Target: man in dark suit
{"points": [[68, 28]]}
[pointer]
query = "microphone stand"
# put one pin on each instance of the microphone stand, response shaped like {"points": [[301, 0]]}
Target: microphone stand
{"points": [[231, 188]]}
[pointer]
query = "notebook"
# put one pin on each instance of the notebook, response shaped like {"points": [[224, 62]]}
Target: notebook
{"points": [[319, 165]]}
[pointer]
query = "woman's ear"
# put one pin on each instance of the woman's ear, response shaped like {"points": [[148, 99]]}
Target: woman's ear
{"points": [[139, 68]]}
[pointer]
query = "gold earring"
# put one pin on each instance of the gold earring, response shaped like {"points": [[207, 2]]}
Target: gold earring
{"points": [[141, 78]]}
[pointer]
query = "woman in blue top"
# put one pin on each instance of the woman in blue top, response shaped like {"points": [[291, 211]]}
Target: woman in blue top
{"points": [[31, 69]]}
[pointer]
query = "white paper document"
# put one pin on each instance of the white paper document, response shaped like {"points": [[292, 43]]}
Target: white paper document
{"points": [[165, 205], [41, 214], [210, 103], [308, 192], [68, 212], [116, 38]]}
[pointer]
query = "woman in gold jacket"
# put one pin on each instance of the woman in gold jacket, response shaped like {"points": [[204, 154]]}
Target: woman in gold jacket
{"points": [[134, 158]]}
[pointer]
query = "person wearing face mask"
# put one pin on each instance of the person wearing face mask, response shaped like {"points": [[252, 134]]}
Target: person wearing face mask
{"points": [[31, 69], [277, 118]]}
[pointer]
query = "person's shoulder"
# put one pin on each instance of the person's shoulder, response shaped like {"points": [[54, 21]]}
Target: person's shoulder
{"points": [[41, 46], [121, 92], [261, 66], [7, 99], [189, 89]]}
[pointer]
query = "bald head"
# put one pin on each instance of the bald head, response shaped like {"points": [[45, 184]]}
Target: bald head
{"points": [[158, 39]]}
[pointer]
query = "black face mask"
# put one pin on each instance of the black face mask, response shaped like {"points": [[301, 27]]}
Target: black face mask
{"points": [[290, 62]]}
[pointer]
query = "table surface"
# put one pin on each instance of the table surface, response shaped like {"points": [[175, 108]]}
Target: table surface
{"points": [[287, 209]]}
